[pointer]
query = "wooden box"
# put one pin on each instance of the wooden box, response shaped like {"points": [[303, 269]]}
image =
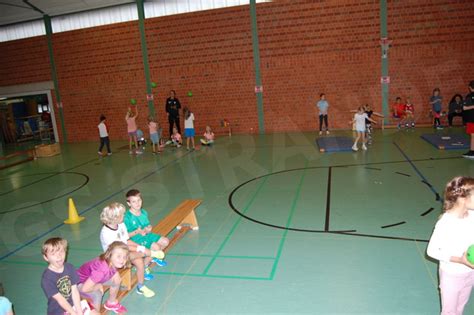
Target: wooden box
{"points": [[46, 150]]}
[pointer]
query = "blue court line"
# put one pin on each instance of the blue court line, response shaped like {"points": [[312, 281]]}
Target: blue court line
{"points": [[90, 208], [423, 178]]}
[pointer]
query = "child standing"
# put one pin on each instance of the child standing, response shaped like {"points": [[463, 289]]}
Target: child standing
{"points": [[59, 281], [468, 115], [409, 114], [359, 120], [368, 124], [189, 127], [208, 136], [115, 230], [323, 113], [130, 118], [103, 271], [104, 136], [154, 135], [449, 242], [436, 102], [139, 227]]}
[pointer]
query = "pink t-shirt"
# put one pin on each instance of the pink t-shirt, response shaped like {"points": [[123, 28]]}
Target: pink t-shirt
{"points": [[153, 127], [176, 137], [131, 124], [97, 270], [209, 136]]}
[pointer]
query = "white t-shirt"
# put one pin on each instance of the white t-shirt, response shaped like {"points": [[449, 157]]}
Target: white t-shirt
{"points": [[109, 235], [451, 237], [189, 123], [360, 121], [102, 130]]}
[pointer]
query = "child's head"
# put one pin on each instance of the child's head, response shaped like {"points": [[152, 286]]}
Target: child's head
{"points": [[471, 86], [361, 109], [458, 98], [172, 94], [116, 255], [366, 107], [436, 92], [187, 112], [408, 100], [322, 96], [208, 128], [134, 199], [459, 190], [112, 214], [54, 251], [102, 118], [398, 100]]}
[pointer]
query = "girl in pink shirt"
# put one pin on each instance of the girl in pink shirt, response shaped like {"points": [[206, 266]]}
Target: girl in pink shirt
{"points": [[208, 136], [153, 127], [103, 270], [130, 118]]}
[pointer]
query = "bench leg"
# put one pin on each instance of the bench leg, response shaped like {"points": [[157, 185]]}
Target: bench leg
{"points": [[190, 220]]}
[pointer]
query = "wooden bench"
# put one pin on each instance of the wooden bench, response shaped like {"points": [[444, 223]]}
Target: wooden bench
{"points": [[183, 218]]}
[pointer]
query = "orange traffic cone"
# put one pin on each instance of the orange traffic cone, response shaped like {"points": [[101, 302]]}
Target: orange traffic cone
{"points": [[73, 216]]}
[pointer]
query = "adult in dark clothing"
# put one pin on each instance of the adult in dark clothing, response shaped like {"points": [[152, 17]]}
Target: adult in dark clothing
{"points": [[172, 110], [468, 115], [455, 109]]}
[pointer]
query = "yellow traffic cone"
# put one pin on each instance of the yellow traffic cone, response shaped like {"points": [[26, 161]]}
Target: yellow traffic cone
{"points": [[73, 216]]}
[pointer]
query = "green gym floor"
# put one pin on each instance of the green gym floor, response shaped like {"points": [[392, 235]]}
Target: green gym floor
{"points": [[283, 227]]}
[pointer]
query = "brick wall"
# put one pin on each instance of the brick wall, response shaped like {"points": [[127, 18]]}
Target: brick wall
{"points": [[306, 47]]}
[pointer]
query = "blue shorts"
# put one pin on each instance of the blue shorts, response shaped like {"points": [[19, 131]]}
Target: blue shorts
{"points": [[154, 138], [189, 132]]}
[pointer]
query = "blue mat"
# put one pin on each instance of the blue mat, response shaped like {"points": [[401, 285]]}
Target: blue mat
{"points": [[447, 141], [334, 144]]}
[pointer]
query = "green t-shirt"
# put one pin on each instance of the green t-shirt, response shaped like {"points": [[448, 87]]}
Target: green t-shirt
{"points": [[133, 222]]}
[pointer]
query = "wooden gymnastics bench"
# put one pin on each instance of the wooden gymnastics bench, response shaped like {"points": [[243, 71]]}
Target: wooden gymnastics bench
{"points": [[183, 218]]}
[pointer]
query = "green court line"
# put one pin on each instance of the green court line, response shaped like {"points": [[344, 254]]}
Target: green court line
{"points": [[288, 222], [422, 255], [235, 226], [210, 276], [31, 263], [224, 256]]}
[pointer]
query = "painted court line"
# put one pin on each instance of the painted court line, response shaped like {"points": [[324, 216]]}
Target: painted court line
{"points": [[88, 209], [288, 223]]}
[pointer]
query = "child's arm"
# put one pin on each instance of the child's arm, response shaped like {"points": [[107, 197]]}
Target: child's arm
{"points": [[468, 107], [90, 286], [76, 300], [378, 114], [372, 121], [65, 304]]}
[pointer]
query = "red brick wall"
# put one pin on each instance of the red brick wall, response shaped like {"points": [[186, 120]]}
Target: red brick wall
{"points": [[306, 47]]}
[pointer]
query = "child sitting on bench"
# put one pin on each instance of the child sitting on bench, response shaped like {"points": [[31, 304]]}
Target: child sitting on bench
{"points": [[139, 227], [115, 230]]}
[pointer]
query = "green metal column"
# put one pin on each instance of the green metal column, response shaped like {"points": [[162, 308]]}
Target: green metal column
{"points": [[49, 32], [141, 26], [256, 61], [385, 86]]}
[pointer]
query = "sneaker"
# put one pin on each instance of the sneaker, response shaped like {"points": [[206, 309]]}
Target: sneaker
{"points": [[327, 132], [354, 148], [130, 152], [147, 269], [203, 141], [139, 152], [178, 145], [99, 153], [143, 290], [169, 142], [469, 155], [320, 133], [160, 262], [413, 125], [148, 276], [158, 254], [364, 147], [407, 125], [109, 154], [117, 308]]}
